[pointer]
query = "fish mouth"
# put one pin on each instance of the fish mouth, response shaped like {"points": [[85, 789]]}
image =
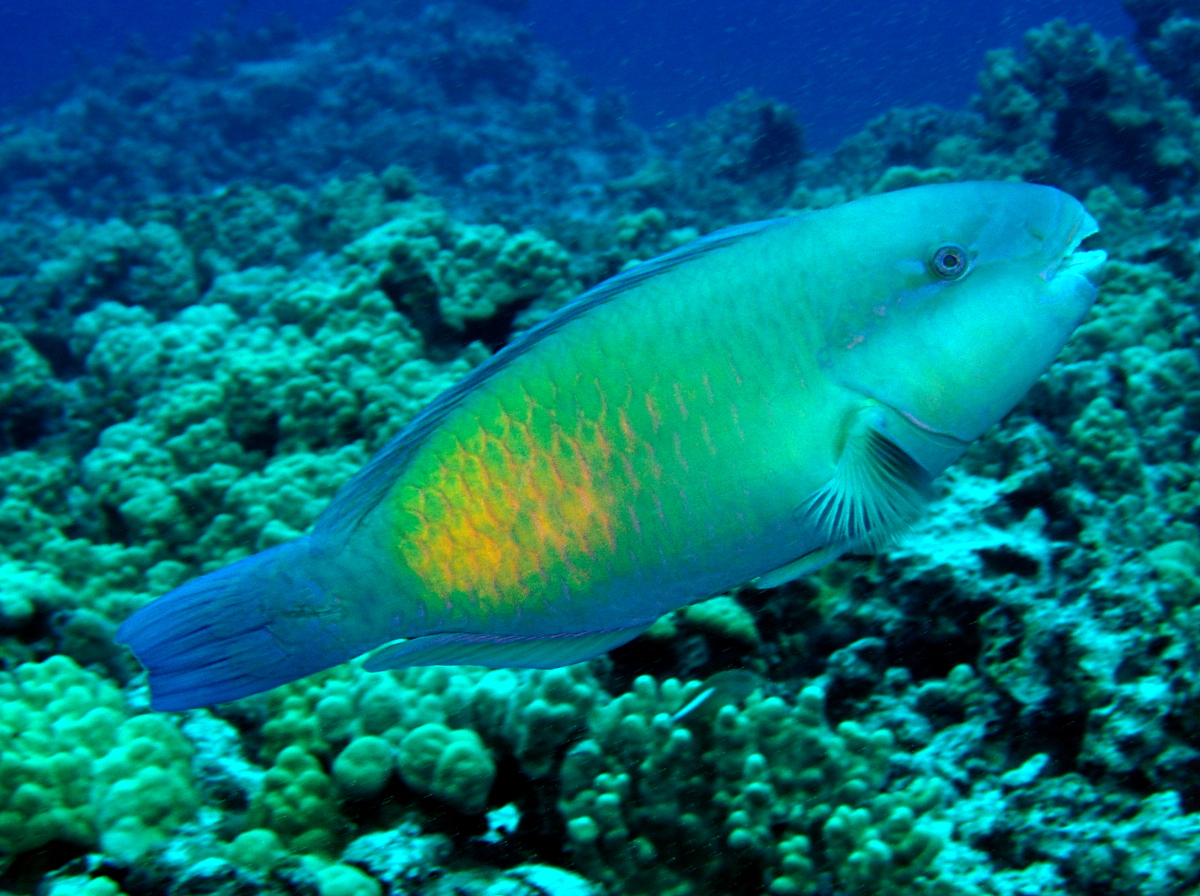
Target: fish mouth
{"points": [[1075, 262]]}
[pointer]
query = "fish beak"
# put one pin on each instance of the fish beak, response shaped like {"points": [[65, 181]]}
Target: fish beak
{"points": [[1085, 264]]}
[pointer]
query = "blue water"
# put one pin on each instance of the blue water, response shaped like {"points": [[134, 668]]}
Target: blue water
{"points": [[839, 64], [43, 42]]}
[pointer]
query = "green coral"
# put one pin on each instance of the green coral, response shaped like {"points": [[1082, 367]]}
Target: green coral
{"points": [[243, 225], [75, 766], [1177, 564], [640, 236], [447, 275], [901, 177], [723, 616], [24, 590], [257, 849], [1075, 101], [364, 766], [148, 265], [547, 709], [30, 399], [452, 765], [298, 802], [142, 788], [325, 712], [1106, 452], [348, 713], [1139, 305], [432, 724], [346, 880], [768, 781]]}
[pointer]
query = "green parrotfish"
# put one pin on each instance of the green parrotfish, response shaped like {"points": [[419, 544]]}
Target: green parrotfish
{"points": [[745, 408]]}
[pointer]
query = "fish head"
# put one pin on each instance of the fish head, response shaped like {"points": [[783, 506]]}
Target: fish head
{"points": [[966, 294]]}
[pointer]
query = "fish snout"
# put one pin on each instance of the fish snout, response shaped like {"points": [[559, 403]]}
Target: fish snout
{"points": [[1067, 258]]}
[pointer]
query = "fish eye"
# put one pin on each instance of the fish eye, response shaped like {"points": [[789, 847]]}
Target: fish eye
{"points": [[951, 262]]}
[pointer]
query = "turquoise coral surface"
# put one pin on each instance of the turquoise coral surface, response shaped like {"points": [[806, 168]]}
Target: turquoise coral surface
{"points": [[202, 345]]}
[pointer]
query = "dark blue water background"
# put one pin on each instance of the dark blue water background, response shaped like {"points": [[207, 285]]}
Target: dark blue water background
{"points": [[838, 63]]}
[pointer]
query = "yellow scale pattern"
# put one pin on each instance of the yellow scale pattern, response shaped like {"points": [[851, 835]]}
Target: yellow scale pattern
{"points": [[502, 504]]}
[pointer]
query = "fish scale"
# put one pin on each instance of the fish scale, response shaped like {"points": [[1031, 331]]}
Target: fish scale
{"points": [[586, 529], [662, 494], [747, 407]]}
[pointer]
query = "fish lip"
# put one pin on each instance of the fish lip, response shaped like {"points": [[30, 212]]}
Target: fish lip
{"points": [[1087, 263], [1086, 226]]}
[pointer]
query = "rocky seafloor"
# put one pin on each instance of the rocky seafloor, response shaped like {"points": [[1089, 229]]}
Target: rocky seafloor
{"points": [[227, 280]]}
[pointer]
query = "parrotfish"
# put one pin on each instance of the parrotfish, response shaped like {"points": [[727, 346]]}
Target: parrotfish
{"points": [[745, 408]]}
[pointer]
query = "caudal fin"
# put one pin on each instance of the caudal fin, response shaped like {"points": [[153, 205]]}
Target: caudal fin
{"points": [[211, 640]]}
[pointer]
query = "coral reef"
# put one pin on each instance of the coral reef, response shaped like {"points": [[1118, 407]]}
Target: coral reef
{"points": [[229, 279], [1168, 33], [1081, 111], [77, 767], [790, 800], [457, 89]]}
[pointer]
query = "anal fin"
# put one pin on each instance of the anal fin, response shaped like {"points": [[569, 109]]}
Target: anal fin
{"points": [[499, 651], [810, 562]]}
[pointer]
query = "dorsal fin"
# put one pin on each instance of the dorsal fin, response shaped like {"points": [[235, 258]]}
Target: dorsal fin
{"points": [[368, 486]]}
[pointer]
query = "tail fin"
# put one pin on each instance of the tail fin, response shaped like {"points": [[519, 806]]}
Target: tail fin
{"points": [[216, 638]]}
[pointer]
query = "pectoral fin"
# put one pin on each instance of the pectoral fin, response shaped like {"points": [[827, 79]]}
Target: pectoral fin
{"points": [[876, 491]]}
